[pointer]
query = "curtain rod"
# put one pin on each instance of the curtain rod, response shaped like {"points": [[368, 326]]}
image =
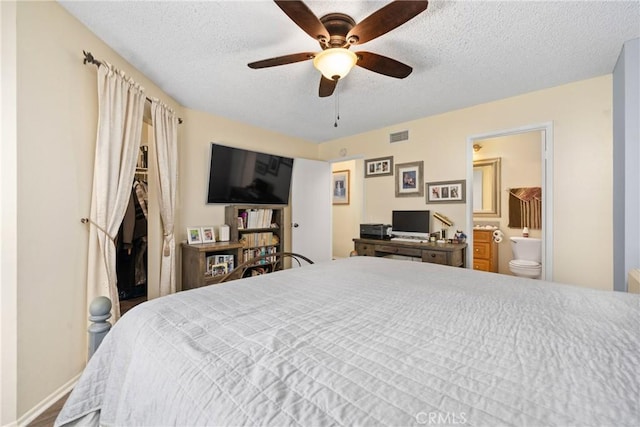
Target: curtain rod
{"points": [[88, 58]]}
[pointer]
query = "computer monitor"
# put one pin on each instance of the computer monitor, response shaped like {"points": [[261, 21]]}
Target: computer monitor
{"points": [[410, 223]]}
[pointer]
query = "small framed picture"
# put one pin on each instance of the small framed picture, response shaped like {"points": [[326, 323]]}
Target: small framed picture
{"points": [[219, 269], [208, 236], [382, 166], [341, 187], [211, 261], [194, 235], [409, 179], [446, 192]]}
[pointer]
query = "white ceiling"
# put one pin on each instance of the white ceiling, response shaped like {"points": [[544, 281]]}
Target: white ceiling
{"points": [[463, 53]]}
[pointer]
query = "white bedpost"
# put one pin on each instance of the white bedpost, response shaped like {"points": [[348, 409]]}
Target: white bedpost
{"points": [[99, 313]]}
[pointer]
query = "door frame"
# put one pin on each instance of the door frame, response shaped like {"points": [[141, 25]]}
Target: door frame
{"points": [[546, 151]]}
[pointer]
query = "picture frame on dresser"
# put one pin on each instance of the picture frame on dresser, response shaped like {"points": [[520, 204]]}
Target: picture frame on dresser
{"points": [[208, 235], [409, 179], [194, 235]]}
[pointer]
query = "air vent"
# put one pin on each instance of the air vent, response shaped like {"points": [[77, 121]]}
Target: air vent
{"points": [[399, 136]]}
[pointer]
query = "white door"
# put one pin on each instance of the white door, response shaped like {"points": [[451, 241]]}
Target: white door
{"points": [[311, 209]]}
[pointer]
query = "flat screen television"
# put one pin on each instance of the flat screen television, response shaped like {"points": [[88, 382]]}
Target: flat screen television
{"points": [[410, 224], [238, 176]]}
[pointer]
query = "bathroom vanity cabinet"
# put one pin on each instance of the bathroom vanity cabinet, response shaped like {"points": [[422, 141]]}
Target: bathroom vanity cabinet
{"points": [[485, 251]]}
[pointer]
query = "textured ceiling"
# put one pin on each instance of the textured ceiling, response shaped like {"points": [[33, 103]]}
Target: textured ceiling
{"points": [[463, 53]]}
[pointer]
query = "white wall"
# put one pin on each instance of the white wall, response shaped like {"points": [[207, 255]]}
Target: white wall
{"points": [[582, 125]]}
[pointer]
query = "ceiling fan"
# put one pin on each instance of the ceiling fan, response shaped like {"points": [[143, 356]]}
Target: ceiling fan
{"points": [[337, 32]]}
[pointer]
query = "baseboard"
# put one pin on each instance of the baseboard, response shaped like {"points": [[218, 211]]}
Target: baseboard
{"points": [[46, 403]]}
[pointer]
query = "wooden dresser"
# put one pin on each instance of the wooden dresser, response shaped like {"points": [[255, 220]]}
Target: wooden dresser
{"points": [[485, 251]]}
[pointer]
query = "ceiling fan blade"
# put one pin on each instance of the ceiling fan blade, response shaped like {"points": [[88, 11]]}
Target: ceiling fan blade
{"points": [[282, 60], [385, 19], [383, 65], [327, 86], [305, 19]]}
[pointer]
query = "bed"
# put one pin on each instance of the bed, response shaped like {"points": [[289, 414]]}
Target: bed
{"points": [[369, 341]]}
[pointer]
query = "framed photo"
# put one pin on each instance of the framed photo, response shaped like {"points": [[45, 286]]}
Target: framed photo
{"points": [[207, 234], [446, 192], [409, 179], [340, 187], [194, 235], [382, 166], [274, 164], [219, 269]]}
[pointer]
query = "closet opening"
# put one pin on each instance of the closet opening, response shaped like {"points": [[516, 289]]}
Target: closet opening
{"points": [[132, 242]]}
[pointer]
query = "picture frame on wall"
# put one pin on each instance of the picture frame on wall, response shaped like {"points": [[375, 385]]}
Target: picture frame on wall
{"points": [[382, 166], [208, 235], [446, 191], [194, 235], [340, 187], [409, 179]]}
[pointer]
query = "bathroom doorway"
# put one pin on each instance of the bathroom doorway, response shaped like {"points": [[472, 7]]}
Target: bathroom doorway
{"points": [[525, 156]]}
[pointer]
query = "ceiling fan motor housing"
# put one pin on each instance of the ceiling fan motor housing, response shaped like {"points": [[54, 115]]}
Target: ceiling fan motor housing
{"points": [[338, 25]]}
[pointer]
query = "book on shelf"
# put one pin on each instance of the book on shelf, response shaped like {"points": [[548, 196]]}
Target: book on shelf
{"points": [[251, 253], [255, 218], [257, 239]]}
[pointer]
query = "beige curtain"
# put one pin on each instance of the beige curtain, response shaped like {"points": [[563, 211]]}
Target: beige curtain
{"points": [[121, 106], [165, 132]]}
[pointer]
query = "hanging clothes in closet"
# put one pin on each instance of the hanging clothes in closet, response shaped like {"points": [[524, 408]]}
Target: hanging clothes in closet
{"points": [[131, 262]]}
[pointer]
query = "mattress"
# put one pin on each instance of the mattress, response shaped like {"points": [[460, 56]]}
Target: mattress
{"points": [[369, 341]]}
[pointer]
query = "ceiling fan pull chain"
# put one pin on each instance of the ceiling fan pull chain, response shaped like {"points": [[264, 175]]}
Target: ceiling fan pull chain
{"points": [[337, 116]]}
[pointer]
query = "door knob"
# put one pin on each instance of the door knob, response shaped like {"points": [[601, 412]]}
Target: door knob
{"points": [[295, 225]]}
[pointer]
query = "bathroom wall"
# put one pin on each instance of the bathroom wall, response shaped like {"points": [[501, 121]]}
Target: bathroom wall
{"points": [[521, 166]]}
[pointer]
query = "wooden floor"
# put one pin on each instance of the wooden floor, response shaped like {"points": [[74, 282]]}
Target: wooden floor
{"points": [[48, 417]]}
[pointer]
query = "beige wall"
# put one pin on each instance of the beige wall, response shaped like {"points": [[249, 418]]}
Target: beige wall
{"points": [[8, 215], [346, 218], [582, 193], [521, 166], [56, 127], [200, 130]]}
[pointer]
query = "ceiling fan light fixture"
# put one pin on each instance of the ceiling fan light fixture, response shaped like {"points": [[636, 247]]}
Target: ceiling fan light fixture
{"points": [[335, 63]]}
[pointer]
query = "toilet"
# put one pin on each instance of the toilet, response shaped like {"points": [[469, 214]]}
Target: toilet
{"points": [[527, 257]]}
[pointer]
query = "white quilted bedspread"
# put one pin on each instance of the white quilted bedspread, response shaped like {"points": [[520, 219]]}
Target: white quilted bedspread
{"points": [[370, 341]]}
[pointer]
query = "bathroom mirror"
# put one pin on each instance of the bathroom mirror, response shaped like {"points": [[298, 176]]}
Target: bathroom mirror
{"points": [[486, 187]]}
